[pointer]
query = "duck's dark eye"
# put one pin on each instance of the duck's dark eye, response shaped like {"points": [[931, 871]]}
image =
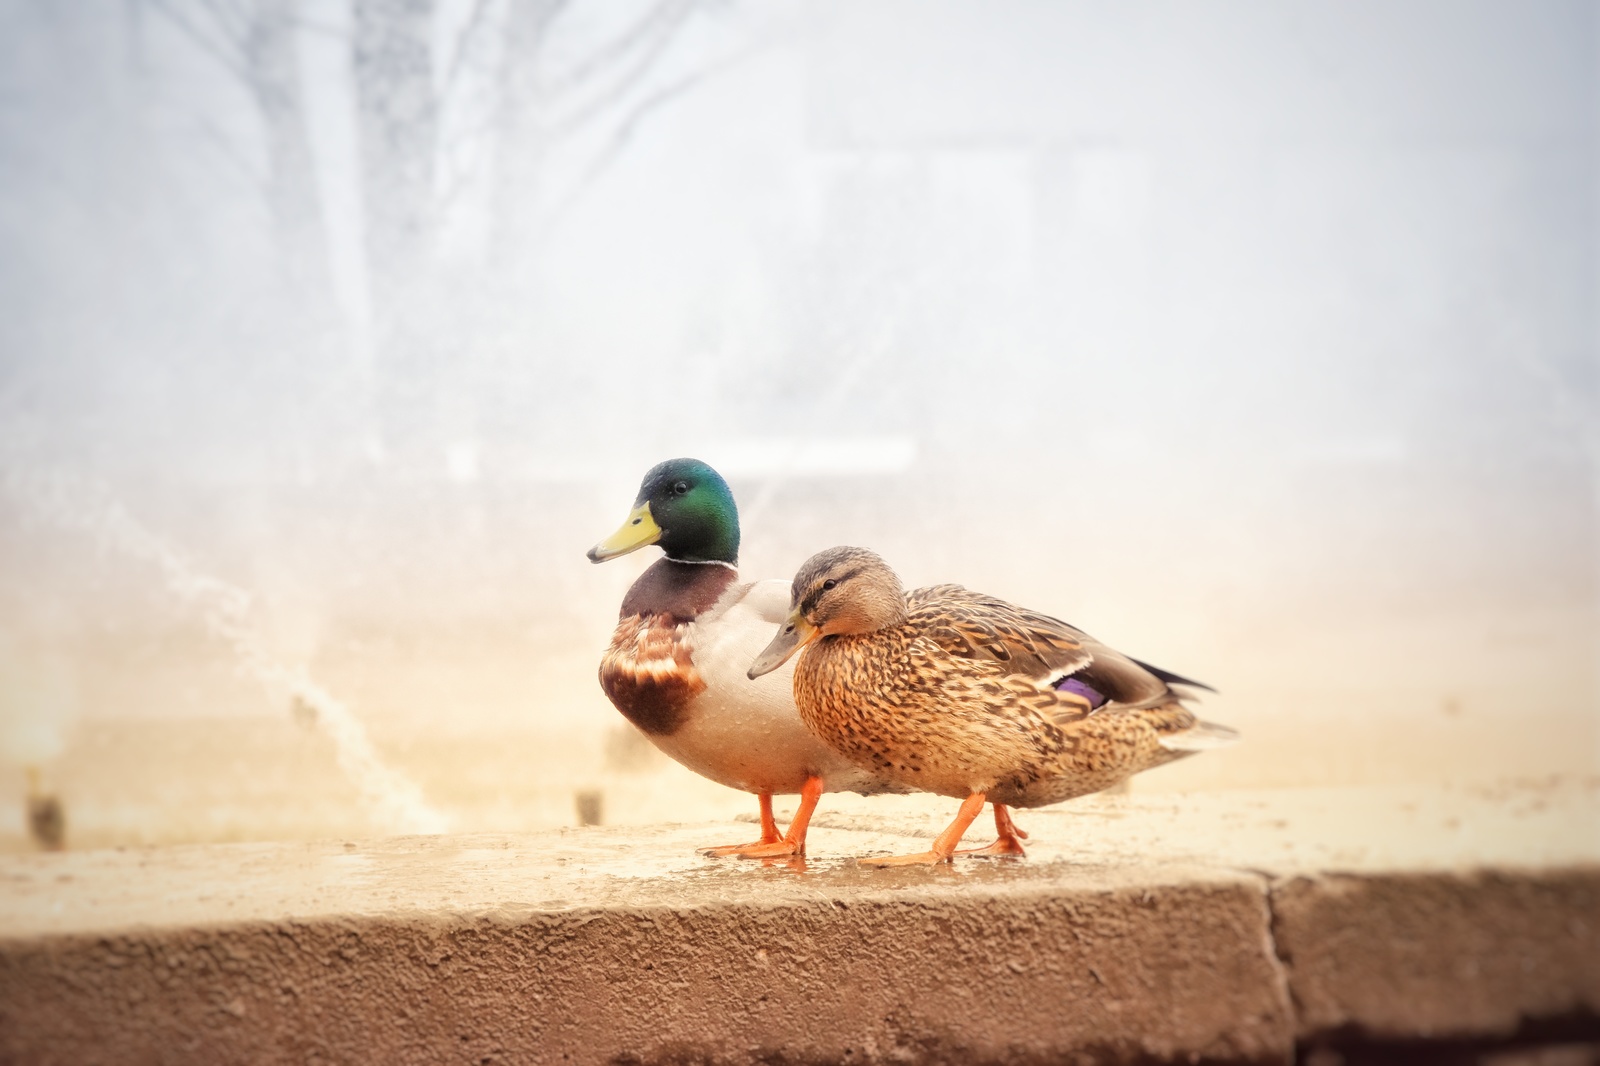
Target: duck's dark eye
{"points": [[680, 487], [828, 584]]}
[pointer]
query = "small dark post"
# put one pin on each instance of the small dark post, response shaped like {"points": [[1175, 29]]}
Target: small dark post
{"points": [[588, 802]]}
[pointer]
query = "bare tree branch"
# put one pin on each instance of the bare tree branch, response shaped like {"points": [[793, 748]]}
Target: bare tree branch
{"points": [[454, 188], [233, 64], [661, 19], [233, 24], [300, 22], [243, 11], [455, 180], [464, 44], [241, 166], [622, 135], [462, 133], [629, 78]]}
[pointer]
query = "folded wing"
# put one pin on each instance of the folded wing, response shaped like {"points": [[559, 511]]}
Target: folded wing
{"points": [[1046, 651]]}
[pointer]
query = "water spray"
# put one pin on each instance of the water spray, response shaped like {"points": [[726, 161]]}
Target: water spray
{"points": [[82, 505]]}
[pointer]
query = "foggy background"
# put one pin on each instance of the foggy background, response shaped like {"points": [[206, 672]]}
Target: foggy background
{"points": [[1258, 339]]}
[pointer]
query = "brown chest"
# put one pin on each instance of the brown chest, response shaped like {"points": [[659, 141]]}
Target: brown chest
{"points": [[852, 694], [648, 672]]}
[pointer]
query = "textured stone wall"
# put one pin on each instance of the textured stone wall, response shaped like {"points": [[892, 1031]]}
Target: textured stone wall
{"points": [[623, 946]]}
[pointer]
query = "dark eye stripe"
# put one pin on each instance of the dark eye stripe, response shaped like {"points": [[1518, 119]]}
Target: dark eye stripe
{"points": [[810, 602]]}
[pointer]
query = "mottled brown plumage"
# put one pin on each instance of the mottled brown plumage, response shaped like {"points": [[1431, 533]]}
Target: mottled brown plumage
{"points": [[649, 673], [954, 692]]}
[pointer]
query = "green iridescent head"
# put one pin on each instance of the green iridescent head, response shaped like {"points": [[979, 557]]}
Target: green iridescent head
{"points": [[684, 506]]}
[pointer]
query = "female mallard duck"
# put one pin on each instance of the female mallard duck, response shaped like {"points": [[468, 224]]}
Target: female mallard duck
{"points": [[953, 692], [676, 665]]}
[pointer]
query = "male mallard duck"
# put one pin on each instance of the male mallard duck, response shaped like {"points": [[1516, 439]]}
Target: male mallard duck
{"points": [[687, 630], [965, 695]]}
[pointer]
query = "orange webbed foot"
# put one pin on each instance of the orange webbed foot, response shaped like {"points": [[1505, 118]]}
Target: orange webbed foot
{"points": [[923, 858], [771, 845], [1001, 849], [761, 849], [769, 835], [725, 851], [1008, 838], [944, 846]]}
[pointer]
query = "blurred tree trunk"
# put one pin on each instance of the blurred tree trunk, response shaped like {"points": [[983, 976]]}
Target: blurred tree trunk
{"points": [[268, 47], [305, 323], [520, 135], [254, 42], [397, 117], [397, 120], [431, 385]]}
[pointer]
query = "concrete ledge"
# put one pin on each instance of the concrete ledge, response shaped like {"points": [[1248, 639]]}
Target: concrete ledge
{"points": [[1014, 975], [1426, 956], [1114, 943]]}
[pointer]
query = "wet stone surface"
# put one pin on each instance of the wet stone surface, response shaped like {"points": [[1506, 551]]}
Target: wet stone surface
{"points": [[1223, 926]]}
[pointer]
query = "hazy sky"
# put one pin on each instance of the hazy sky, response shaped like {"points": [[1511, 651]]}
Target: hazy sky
{"points": [[1239, 331]]}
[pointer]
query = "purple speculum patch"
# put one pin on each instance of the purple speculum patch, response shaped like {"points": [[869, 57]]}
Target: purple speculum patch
{"points": [[1073, 685]]}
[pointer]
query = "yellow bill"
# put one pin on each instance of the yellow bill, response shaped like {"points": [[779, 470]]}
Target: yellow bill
{"points": [[638, 531]]}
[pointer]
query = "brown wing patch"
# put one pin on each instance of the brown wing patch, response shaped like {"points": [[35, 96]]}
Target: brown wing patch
{"points": [[648, 672], [970, 625]]}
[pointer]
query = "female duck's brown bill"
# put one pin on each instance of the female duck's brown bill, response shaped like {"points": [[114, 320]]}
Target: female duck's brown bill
{"points": [[795, 634]]}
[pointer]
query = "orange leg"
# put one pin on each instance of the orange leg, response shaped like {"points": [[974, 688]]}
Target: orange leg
{"points": [[944, 845], [769, 832], [791, 843], [1008, 838]]}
